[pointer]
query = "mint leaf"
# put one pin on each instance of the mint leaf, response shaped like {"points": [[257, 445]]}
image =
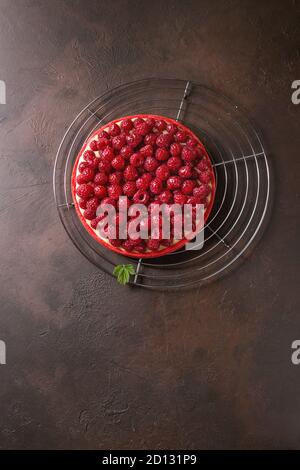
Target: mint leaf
{"points": [[122, 272], [117, 269], [124, 278], [130, 269]]}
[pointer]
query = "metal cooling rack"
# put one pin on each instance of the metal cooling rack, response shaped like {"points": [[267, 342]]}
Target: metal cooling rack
{"points": [[241, 169]]}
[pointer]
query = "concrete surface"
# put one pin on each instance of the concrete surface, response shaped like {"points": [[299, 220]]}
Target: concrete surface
{"points": [[91, 364]]}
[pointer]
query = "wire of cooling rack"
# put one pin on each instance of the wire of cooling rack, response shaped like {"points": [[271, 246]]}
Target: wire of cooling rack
{"points": [[241, 171]]}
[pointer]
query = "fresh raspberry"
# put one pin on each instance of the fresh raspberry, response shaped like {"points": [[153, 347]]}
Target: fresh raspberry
{"points": [[104, 165], [174, 163], [127, 125], [114, 129], [116, 177], [188, 186], [141, 197], [205, 177], [135, 241], [156, 186], [118, 163], [82, 203], [82, 166], [174, 182], [103, 142], [133, 139], [126, 151], [108, 153], [166, 242], [128, 245], [95, 222], [146, 151], [144, 181], [165, 196], [80, 179], [94, 145], [191, 200], [153, 245], [188, 154], [171, 128], [100, 191], [100, 178], [162, 154], [91, 159], [114, 191], [89, 214], [150, 121], [140, 248], [191, 142], [160, 125], [92, 203], [85, 191], [86, 175], [185, 171], [162, 172], [180, 198], [103, 135], [92, 162], [138, 122], [150, 138], [137, 159], [129, 188], [150, 164], [175, 149], [164, 140], [203, 165], [108, 201], [118, 141], [130, 173], [88, 154], [180, 136], [115, 242], [200, 152], [142, 128], [201, 191]]}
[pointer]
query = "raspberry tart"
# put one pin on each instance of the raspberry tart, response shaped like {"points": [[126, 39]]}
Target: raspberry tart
{"points": [[144, 159]]}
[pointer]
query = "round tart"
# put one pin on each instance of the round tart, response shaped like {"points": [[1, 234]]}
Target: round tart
{"points": [[147, 159]]}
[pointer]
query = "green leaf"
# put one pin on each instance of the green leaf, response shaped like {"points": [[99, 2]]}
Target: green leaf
{"points": [[117, 269], [130, 269], [123, 272]]}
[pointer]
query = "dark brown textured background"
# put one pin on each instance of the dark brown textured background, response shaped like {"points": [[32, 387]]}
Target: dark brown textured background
{"points": [[91, 364]]}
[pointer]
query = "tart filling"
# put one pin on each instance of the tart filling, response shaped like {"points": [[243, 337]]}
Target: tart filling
{"points": [[143, 159]]}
